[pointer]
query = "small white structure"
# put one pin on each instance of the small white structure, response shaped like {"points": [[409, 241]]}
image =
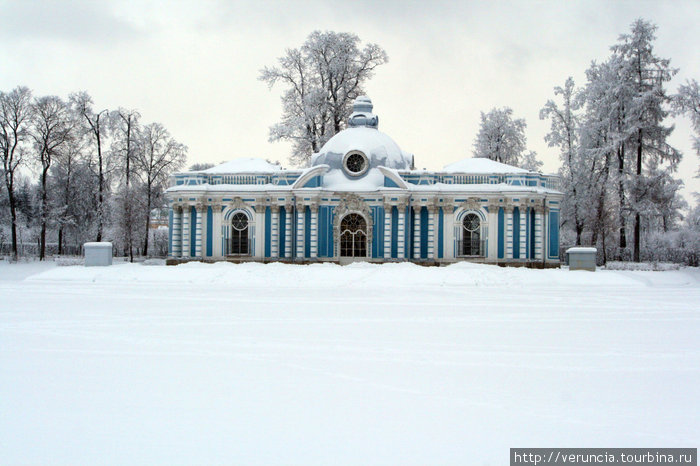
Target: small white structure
{"points": [[581, 258], [98, 254]]}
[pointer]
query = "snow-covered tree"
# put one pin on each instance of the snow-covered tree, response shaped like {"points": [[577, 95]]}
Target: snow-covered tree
{"points": [[96, 126], [564, 135], [645, 74], [159, 155], [321, 79], [72, 185], [125, 129], [501, 137], [687, 102], [195, 167], [51, 129], [15, 114]]}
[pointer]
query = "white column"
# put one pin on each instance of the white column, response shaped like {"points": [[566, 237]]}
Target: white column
{"points": [[259, 244], [545, 233], [274, 231], [523, 232], [177, 231], [288, 219], [186, 215], [301, 213], [314, 231], [198, 231], [401, 232], [493, 231], [539, 236], [448, 231], [416, 232], [431, 232], [509, 232], [216, 231], [387, 231]]}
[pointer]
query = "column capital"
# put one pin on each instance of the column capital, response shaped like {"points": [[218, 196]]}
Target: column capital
{"points": [[177, 208], [274, 208], [539, 208], [200, 207]]}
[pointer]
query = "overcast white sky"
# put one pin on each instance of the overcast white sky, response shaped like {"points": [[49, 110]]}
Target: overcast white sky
{"points": [[193, 66]]}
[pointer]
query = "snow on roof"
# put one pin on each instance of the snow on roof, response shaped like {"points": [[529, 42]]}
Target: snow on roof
{"points": [[244, 165], [581, 249], [481, 165], [379, 147]]}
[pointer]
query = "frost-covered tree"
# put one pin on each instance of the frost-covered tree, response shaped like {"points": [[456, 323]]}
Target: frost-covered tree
{"points": [[195, 167], [72, 186], [564, 135], [159, 155], [687, 102], [645, 75], [15, 114], [96, 126], [125, 129], [321, 79], [51, 129], [501, 137]]}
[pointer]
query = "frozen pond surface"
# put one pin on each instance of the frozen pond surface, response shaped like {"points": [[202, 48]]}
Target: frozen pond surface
{"points": [[364, 364]]}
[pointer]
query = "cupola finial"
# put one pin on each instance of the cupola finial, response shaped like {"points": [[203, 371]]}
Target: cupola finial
{"points": [[362, 113]]}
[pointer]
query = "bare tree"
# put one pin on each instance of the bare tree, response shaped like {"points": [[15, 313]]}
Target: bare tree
{"points": [[15, 112], [125, 132], [322, 79], [51, 128], [96, 124], [159, 155]]}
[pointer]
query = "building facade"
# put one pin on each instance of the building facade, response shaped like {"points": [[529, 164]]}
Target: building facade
{"points": [[362, 199]]}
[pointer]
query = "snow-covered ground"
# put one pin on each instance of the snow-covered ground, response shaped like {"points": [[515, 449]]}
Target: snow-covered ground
{"points": [[363, 364]]}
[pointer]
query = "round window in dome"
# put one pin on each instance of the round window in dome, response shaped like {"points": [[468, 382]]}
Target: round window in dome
{"points": [[355, 163]]}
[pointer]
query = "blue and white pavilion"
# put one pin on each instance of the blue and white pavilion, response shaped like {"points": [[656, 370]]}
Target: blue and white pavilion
{"points": [[362, 199]]}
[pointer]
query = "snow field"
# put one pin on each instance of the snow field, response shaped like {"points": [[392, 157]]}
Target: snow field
{"points": [[371, 364]]}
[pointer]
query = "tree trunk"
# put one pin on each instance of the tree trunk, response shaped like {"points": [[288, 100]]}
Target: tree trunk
{"points": [[148, 217], [13, 215], [621, 171], [637, 217], [60, 240], [44, 196], [100, 201]]}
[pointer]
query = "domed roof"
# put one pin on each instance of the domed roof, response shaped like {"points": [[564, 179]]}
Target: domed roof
{"points": [[379, 148], [362, 136]]}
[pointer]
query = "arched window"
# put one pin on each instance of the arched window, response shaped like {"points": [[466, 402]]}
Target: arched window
{"points": [[471, 235], [239, 234], [353, 236]]}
